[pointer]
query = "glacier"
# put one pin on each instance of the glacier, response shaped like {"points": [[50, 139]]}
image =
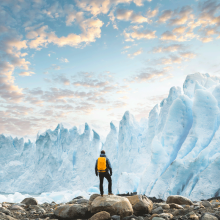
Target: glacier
{"points": [[173, 151]]}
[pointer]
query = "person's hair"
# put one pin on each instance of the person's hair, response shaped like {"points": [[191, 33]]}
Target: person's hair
{"points": [[102, 152]]}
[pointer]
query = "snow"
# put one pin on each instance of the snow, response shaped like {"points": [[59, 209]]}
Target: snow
{"points": [[174, 151]]}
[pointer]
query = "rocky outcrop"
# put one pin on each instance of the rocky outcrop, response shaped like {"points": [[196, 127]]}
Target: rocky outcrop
{"points": [[181, 200], [109, 208], [140, 204], [115, 205]]}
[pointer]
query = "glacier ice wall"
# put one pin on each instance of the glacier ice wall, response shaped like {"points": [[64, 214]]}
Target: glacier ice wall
{"points": [[174, 151]]}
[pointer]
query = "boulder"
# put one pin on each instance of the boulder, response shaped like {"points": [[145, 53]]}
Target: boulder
{"points": [[175, 206], [72, 211], [140, 204], [30, 201], [6, 217], [181, 212], [16, 207], [208, 216], [115, 205], [37, 208], [4, 210], [92, 197], [101, 216], [206, 204], [163, 205], [181, 200], [192, 215], [158, 210]]}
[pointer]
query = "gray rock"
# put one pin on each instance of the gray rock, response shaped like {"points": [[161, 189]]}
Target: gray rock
{"points": [[115, 217], [157, 218], [71, 211], [37, 208], [140, 204], [177, 199], [16, 207], [158, 210], [30, 201], [130, 217], [208, 216], [4, 210]]}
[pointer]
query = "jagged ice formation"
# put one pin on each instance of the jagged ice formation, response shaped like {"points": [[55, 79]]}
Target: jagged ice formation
{"points": [[175, 151]]}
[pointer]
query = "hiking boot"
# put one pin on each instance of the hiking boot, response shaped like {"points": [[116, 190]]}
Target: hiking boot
{"points": [[110, 194], [101, 195]]}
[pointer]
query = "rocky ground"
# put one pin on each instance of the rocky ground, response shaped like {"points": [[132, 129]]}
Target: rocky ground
{"points": [[125, 207]]}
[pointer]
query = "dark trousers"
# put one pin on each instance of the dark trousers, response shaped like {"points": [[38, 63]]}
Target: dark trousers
{"points": [[101, 178]]}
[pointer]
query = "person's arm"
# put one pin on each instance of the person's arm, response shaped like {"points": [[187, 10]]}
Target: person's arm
{"points": [[109, 166], [96, 171]]}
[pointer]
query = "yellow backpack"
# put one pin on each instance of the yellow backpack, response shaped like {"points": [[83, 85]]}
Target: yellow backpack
{"points": [[101, 165]]}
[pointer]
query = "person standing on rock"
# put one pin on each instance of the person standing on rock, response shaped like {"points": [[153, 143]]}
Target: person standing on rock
{"points": [[102, 167]]}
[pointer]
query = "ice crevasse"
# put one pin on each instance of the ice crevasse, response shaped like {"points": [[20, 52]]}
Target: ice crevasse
{"points": [[176, 150]]}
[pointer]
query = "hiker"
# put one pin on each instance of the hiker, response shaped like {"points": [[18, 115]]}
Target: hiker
{"points": [[102, 167]]}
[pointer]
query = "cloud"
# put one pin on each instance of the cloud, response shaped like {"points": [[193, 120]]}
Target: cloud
{"points": [[172, 59], [10, 50], [145, 34], [166, 15], [182, 17], [64, 60], [152, 13], [18, 110], [61, 79], [91, 83], [72, 15], [126, 47], [3, 29], [129, 15], [55, 67], [91, 29], [96, 7], [169, 36], [25, 73], [170, 48], [149, 74], [179, 30], [135, 53], [206, 39]]}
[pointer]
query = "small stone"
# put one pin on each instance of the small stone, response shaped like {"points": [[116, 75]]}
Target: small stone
{"points": [[115, 217], [16, 207], [4, 210], [175, 206], [157, 218], [157, 210], [206, 204], [101, 216], [208, 216]]}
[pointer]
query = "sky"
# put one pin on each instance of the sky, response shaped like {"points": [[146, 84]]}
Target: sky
{"points": [[78, 61]]}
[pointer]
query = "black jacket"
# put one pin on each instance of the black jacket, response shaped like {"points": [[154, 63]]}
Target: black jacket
{"points": [[108, 165]]}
